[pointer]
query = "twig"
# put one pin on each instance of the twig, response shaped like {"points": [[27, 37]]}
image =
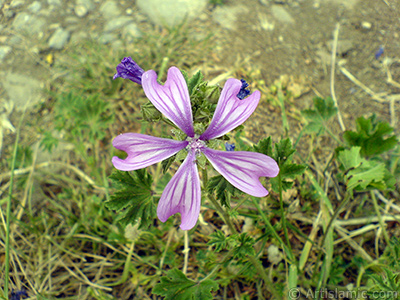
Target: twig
{"points": [[387, 98], [333, 65], [344, 233], [361, 85], [387, 202], [351, 222], [357, 232], [84, 278]]}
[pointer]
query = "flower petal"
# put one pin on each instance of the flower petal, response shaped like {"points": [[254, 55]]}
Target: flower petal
{"points": [[143, 150], [129, 69], [172, 98], [230, 111], [182, 195], [243, 169]]}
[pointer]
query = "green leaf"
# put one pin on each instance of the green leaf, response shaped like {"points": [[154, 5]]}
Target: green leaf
{"points": [[133, 199], [167, 163], [292, 170], [194, 81], [365, 175], [245, 246], [223, 189], [150, 113], [283, 151], [218, 240], [324, 109], [350, 158], [264, 146], [176, 286], [370, 136], [49, 141], [282, 154], [361, 173]]}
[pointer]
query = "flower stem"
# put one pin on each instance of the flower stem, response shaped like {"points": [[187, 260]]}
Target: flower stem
{"points": [[272, 229], [218, 266], [260, 269], [224, 215], [255, 262], [283, 217]]}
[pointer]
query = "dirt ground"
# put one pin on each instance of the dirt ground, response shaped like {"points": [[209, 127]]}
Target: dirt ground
{"points": [[303, 48]]}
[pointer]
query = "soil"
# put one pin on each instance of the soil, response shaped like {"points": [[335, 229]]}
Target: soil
{"points": [[303, 49]]}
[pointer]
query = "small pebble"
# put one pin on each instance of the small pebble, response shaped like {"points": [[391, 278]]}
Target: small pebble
{"points": [[35, 7], [4, 50], [80, 11], [16, 3], [366, 25], [59, 39]]}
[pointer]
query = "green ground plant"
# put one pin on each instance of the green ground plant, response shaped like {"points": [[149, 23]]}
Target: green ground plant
{"points": [[77, 229]]}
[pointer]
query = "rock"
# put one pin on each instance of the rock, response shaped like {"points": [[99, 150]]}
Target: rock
{"points": [[226, 15], [80, 11], [35, 7], [16, 3], [88, 4], [109, 9], [281, 14], [54, 2], [131, 31], [28, 23], [4, 50], [117, 23], [171, 13], [23, 90], [59, 39], [366, 25]]}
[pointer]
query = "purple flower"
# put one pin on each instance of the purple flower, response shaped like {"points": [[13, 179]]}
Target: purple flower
{"points": [[243, 93], [129, 69], [229, 147], [183, 194]]}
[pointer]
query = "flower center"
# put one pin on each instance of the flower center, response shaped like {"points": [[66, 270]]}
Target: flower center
{"points": [[195, 144]]}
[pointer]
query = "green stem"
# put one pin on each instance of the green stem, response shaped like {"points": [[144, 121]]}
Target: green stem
{"points": [[333, 136], [322, 283], [8, 213], [272, 229], [259, 267], [283, 217], [224, 215], [218, 266]]}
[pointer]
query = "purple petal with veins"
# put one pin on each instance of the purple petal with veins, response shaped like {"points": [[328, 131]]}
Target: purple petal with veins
{"points": [[144, 150], [243, 169], [182, 195], [231, 111], [172, 99]]}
